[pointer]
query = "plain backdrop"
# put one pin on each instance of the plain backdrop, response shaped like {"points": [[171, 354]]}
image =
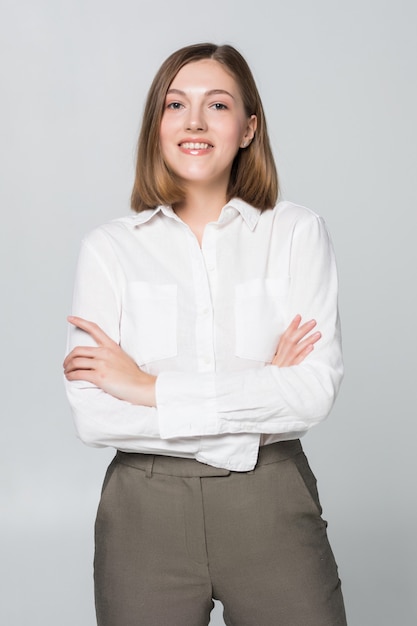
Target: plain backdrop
{"points": [[338, 81]]}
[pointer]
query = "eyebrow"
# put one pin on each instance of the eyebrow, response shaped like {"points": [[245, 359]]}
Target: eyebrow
{"points": [[211, 92]]}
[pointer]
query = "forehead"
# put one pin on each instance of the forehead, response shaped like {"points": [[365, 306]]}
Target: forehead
{"points": [[204, 75]]}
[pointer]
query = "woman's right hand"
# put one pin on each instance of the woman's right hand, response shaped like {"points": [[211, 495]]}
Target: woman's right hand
{"points": [[296, 343], [108, 367]]}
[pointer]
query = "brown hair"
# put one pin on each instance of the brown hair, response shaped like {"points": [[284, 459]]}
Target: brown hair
{"points": [[253, 177]]}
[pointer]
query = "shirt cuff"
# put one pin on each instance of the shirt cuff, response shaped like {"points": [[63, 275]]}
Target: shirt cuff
{"points": [[186, 404], [237, 452]]}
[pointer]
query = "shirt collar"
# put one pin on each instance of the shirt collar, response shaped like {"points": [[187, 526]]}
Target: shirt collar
{"points": [[145, 216], [249, 213]]}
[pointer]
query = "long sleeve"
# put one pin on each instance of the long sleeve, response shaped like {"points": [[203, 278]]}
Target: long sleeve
{"points": [[270, 399], [100, 419]]}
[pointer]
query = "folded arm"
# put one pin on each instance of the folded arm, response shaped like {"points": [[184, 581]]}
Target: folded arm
{"points": [[113, 399]]}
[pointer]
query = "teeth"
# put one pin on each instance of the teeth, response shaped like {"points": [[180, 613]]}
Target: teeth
{"points": [[195, 146]]}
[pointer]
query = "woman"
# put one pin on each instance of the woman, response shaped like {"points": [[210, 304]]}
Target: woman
{"points": [[189, 353]]}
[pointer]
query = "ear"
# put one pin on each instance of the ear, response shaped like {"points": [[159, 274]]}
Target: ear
{"points": [[249, 132]]}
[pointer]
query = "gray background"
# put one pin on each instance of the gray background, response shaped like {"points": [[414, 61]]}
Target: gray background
{"points": [[338, 80]]}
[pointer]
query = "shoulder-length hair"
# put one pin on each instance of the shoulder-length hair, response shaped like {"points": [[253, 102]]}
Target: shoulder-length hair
{"points": [[253, 176]]}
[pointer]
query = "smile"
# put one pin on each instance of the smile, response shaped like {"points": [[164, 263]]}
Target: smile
{"points": [[188, 145]]}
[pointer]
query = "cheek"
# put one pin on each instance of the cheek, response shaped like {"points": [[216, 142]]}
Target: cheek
{"points": [[162, 136], [165, 132], [166, 150], [234, 136]]}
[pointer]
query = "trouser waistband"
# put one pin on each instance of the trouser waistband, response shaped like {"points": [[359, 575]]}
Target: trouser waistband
{"points": [[187, 468]]}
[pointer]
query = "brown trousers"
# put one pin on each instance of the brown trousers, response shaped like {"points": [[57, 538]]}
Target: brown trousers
{"points": [[171, 534]]}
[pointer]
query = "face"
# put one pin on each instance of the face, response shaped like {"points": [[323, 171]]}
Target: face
{"points": [[204, 124]]}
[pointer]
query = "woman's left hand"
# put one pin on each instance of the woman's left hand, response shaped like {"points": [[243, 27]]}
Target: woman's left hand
{"points": [[296, 343], [108, 367]]}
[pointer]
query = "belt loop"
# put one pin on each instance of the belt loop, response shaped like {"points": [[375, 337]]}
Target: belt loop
{"points": [[149, 465]]}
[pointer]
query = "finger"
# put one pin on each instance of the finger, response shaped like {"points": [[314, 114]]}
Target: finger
{"points": [[292, 338], [303, 354], [310, 340], [294, 324], [89, 376], [307, 326], [303, 330], [295, 332], [295, 350], [291, 353], [79, 363], [80, 351], [296, 357], [92, 329]]}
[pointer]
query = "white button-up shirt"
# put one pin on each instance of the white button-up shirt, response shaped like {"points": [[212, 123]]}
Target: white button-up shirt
{"points": [[207, 322]]}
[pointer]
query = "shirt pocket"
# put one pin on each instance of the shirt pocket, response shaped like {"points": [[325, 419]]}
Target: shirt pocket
{"points": [[149, 321], [260, 317]]}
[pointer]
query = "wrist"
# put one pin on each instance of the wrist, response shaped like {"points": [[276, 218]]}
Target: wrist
{"points": [[148, 389]]}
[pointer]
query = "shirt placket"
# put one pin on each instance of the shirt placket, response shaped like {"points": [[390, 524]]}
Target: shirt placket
{"points": [[204, 275]]}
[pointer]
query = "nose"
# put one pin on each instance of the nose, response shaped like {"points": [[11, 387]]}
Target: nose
{"points": [[195, 120]]}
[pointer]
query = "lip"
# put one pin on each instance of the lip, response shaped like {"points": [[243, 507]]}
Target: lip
{"points": [[197, 143], [198, 147], [195, 140]]}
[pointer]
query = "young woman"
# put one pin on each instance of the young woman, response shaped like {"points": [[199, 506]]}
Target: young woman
{"points": [[193, 352]]}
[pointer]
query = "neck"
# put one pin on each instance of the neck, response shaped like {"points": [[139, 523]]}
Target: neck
{"points": [[200, 207]]}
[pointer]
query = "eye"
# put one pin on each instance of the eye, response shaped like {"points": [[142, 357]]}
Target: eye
{"points": [[174, 106], [219, 106]]}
